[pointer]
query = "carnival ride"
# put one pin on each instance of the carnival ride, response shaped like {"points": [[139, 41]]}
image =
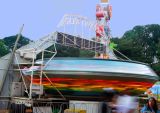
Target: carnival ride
{"points": [[75, 76], [91, 75]]}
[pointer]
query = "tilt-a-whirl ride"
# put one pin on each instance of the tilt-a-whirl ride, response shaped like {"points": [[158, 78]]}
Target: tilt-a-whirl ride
{"points": [[74, 78]]}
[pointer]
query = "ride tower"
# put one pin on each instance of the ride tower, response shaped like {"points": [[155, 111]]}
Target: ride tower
{"points": [[103, 32]]}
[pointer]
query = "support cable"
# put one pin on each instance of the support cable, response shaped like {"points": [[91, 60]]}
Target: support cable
{"points": [[54, 86]]}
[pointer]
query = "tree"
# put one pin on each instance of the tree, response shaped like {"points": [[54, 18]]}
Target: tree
{"points": [[3, 49], [141, 43], [10, 41]]}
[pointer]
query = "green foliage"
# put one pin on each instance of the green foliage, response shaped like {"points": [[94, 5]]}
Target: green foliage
{"points": [[10, 41], [158, 49], [141, 43], [3, 49], [156, 67], [86, 53]]}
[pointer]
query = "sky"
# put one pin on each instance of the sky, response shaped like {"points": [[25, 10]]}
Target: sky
{"points": [[41, 17]]}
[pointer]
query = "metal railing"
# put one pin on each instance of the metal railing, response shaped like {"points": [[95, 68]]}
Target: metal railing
{"points": [[7, 106]]}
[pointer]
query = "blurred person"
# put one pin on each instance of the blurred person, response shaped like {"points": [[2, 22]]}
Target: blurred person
{"points": [[126, 104], [110, 106], [105, 108], [113, 103], [151, 106]]}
